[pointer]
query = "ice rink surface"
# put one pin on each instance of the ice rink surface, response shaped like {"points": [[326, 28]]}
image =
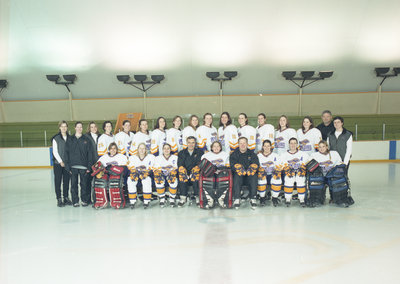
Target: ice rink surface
{"points": [[41, 243]]}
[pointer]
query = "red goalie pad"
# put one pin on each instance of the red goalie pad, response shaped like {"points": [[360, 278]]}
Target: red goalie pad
{"points": [[115, 182], [100, 190]]}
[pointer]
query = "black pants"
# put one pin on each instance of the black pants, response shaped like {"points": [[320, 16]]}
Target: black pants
{"points": [[89, 186], [83, 177], [250, 181], [60, 174], [183, 187]]}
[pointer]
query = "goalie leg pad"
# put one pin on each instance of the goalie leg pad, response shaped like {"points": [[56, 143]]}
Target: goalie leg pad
{"points": [[100, 190], [117, 198], [206, 192], [224, 188]]}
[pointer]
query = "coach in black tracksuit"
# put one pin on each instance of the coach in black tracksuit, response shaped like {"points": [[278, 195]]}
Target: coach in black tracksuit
{"points": [[189, 158], [244, 157], [79, 159]]}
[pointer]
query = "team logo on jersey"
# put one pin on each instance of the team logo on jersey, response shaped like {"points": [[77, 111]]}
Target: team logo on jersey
{"points": [[326, 165], [279, 142], [141, 168], [268, 166], [305, 145], [167, 169], [218, 162], [295, 163]]}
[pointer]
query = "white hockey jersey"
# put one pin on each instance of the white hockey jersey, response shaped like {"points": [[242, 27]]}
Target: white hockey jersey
{"points": [[103, 143], [327, 161], [117, 160], [174, 138], [265, 132], [166, 166], [205, 137], [124, 142], [308, 142], [139, 138], [282, 140], [158, 139], [228, 138], [294, 161], [250, 133], [146, 164], [186, 132], [219, 160], [270, 162]]}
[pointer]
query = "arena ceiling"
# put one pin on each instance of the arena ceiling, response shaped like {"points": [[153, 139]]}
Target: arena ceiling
{"points": [[183, 39]]}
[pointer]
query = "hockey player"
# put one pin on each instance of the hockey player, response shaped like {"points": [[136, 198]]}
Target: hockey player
{"points": [[105, 139], [174, 135], [294, 165], [60, 173], [327, 159], [78, 161], [245, 130], [264, 132], [190, 130], [244, 163], [308, 136], [227, 133], [206, 134], [189, 171], [140, 166], [124, 138], [214, 189], [216, 156], [269, 174], [283, 135], [158, 136], [142, 136], [165, 171], [115, 165]]}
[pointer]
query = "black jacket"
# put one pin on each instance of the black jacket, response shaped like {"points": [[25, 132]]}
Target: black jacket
{"points": [[189, 161], [325, 130], [94, 144], [245, 159], [79, 152]]}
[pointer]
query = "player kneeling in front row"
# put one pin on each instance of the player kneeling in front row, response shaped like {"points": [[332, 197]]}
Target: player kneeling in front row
{"points": [[189, 171], [244, 163], [140, 166], [269, 174], [215, 178], [165, 173], [334, 173], [108, 172], [294, 165]]}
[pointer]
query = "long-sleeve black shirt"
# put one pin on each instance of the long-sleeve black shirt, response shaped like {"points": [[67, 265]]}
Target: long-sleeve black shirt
{"points": [[189, 161], [245, 159]]}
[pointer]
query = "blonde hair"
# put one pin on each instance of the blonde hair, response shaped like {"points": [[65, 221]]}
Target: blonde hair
{"points": [[145, 153]]}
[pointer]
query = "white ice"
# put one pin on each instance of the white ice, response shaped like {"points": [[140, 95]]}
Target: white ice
{"points": [[41, 243]]}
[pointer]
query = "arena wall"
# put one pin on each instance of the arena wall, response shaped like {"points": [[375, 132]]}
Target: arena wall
{"points": [[271, 104], [363, 151]]}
